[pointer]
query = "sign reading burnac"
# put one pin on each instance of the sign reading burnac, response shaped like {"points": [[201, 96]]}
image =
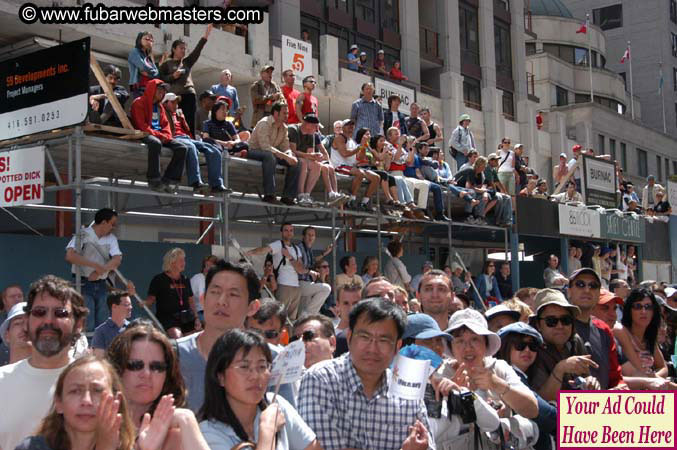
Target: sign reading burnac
{"points": [[600, 182], [44, 90], [385, 89]]}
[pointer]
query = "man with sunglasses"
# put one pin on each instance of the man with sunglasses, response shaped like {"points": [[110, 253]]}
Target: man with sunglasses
{"points": [[55, 314], [269, 320], [317, 333], [584, 292], [306, 102], [100, 108]]}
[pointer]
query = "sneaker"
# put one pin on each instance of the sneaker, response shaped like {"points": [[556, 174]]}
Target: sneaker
{"points": [[305, 200], [367, 207], [200, 188], [220, 190], [351, 205], [288, 201], [335, 198], [471, 220], [156, 185], [171, 188]]}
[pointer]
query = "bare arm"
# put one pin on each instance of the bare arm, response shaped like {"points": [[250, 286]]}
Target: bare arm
{"points": [[340, 146], [299, 104], [74, 258], [259, 251]]}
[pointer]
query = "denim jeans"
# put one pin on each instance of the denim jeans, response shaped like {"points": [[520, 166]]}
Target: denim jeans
{"points": [[268, 164], [212, 155], [460, 159], [503, 211], [437, 197], [95, 294], [174, 170], [403, 194]]}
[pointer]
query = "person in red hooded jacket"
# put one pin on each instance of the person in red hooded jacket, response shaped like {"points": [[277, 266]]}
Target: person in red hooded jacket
{"points": [[149, 116]]}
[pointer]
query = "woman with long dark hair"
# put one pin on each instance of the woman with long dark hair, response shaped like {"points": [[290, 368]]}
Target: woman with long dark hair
{"points": [[368, 158], [487, 285], [141, 64], [236, 408], [638, 335]]}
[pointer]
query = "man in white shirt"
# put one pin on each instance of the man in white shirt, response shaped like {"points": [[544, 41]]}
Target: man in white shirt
{"points": [[92, 267], [197, 283], [576, 149], [288, 263], [55, 314]]}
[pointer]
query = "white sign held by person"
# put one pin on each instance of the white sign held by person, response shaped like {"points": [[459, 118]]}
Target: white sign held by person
{"points": [[22, 176], [579, 221], [385, 89], [288, 366], [410, 377], [672, 196], [298, 56]]}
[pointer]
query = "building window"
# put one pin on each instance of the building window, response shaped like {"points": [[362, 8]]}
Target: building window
{"points": [[674, 78], [468, 28], [391, 15], [531, 48], [508, 105], [502, 48], [365, 10], [609, 17], [472, 93], [659, 172], [600, 144], [674, 167], [343, 5], [673, 11], [581, 56], [624, 157], [674, 43], [561, 96], [642, 164], [612, 148]]}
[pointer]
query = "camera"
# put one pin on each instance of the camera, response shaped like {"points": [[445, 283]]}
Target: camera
{"points": [[462, 404], [672, 371], [578, 384]]}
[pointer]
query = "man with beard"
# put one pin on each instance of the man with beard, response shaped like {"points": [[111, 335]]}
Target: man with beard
{"points": [[54, 312]]}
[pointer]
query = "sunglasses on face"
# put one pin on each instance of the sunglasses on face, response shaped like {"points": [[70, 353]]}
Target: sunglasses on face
{"points": [[582, 284], [520, 346], [551, 321], [59, 313], [306, 336], [642, 306], [268, 334], [135, 365]]}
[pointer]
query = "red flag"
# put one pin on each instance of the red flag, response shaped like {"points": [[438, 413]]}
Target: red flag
{"points": [[626, 55], [584, 28]]}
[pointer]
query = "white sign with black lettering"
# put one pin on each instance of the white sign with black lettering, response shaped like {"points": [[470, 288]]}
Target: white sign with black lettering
{"points": [[600, 175], [672, 196], [579, 221], [288, 365], [385, 89], [410, 377], [298, 56]]}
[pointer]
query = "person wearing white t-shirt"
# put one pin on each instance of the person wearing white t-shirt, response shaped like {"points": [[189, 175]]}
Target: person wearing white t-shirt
{"points": [[506, 166], [197, 283], [576, 149], [288, 262], [92, 267], [55, 314]]}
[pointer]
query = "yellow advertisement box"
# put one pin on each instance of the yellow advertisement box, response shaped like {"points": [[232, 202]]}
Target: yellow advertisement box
{"points": [[616, 419]]}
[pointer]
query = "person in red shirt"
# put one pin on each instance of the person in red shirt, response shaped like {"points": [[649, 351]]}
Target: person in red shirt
{"points": [[290, 95], [181, 132], [149, 116], [306, 102], [396, 72]]}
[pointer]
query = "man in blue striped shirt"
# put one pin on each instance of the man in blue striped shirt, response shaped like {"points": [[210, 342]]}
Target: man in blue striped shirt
{"points": [[367, 112]]}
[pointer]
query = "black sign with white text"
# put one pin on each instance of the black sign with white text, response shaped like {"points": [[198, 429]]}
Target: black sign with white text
{"points": [[44, 90]]}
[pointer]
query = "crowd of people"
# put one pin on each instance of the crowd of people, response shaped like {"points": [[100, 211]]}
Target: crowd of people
{"points": [[198, 376]]}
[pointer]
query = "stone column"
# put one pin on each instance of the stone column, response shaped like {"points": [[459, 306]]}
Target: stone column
{"points": [[451, 80], [285, 18], [409, 30], [492, 106]]}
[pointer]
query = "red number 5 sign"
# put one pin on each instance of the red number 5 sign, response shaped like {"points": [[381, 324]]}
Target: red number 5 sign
{"points": [[297, 55], [297, 64]]}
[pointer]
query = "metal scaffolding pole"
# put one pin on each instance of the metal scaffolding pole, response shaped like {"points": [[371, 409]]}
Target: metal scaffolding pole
{"points": [[333, 253], [78, 200], [449, 227]]}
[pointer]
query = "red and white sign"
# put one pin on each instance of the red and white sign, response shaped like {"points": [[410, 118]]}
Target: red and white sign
{"points": [[298, 56], [22, 176]]}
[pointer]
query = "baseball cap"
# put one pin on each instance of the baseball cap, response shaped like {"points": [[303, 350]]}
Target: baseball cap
{"points": [[518, 146], [170, 97], [605, 297], [476, 322], [15, 311], [363, 53], [521, 328], [576, 148], [266, 68], [421, 353], [562, 155], [422, 326], [380, 51], [353, 47], [583, 270], [669, 292], [501, 309], [546, 297], [455, 266], [207, 93], [348, 121], [311, 118], [492, 156]]}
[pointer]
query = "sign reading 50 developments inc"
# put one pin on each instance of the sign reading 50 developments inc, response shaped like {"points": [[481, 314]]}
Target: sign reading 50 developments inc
{"points": [[579, 221], [385, 89], [600, 182], [44, 90], [298, 56]]}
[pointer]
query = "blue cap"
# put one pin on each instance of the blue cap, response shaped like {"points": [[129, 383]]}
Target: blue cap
{"points": [[419, 352], [521, 328], [422, 326]]}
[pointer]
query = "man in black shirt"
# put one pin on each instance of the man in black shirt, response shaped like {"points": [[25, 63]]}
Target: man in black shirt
{"points": [[100, 109], [473, 179], [662, 206], [416, 126]]}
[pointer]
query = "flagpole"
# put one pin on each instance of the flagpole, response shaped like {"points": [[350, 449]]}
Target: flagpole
{"points": [[587, 22], [662, 82], [632, 97]]}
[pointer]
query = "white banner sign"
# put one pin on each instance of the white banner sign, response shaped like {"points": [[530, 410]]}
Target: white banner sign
{"points": [[410, 377], [22, 176], [672, 196], [288, 366], [579, 221], [385, 89], [600, 175], [298, 56]]}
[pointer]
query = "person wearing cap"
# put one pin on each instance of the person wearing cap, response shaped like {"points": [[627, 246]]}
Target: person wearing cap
{"points": [[223, 87], [206, 101], [498, 193], [13, 334], [541, 189], [563, 355], [671, 297], [423, 330], [181, 131], [290, 95], [396, 72], [264, 94], [607, 308], [436, 295], [662, 206], [306, 102], [362, 63], [552, 277], [519, 348], [177, 71], [337, 398], [149, 116], [141, 64], [366, 112], [461, 286], [560, 171], [649, 192], [353, 59], [427, 267], [584, 289], [380, 63], [570, 195], [473, 366], [269, 143], [100, 109], [461, 141], [499, 316], [577, 151]]}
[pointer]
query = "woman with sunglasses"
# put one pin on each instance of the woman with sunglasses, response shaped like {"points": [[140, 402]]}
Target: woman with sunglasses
{"points": [[236, 407], [638, 335], [141, 64], [519, 347], [563, 356], [153, 386]]}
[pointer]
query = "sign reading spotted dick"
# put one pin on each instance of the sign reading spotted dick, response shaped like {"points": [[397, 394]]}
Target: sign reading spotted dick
{"points": [[616, 419]]}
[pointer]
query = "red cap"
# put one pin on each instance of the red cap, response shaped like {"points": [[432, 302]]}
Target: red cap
{"points": [[576, 148], [606, 297], [225, 99]]}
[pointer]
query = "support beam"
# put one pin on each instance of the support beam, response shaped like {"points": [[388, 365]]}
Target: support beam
{"points": [[207, 209], [564, 255], [514, 261]]}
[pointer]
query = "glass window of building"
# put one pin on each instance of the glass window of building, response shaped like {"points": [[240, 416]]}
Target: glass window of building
{"points": [[561, 96], [612, 148], [508, 105], [343, 5], [600, 144], [674, 167], [673, 39], [642, 163], [502, 48], [391, 15], [531, 48], [673, 11], [472, 93], [468, 28], [659, 171], [581, 56], [609, 17], [365, 10]]}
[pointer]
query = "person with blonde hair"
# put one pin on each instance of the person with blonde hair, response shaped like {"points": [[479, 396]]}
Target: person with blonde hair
{"points": [[518, 305], [170, 290]]}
